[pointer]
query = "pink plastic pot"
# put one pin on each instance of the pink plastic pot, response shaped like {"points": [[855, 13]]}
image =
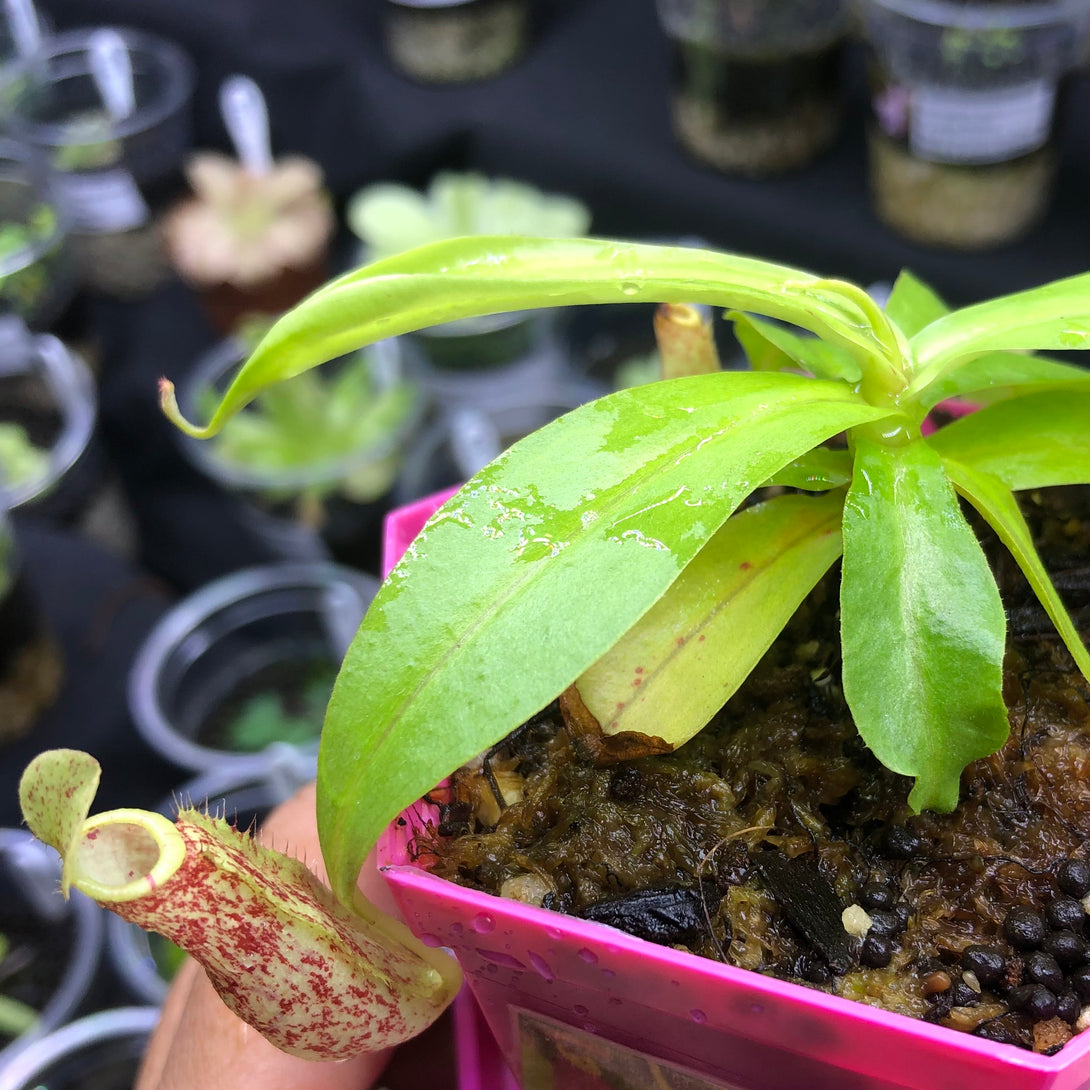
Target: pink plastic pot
{"points": [[564, 997]]}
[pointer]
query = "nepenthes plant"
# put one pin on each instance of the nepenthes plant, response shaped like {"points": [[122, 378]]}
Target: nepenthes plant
{"points": [[612, 556]]}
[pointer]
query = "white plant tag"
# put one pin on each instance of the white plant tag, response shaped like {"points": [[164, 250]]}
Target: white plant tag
{"points": [[25, 27], [246, 116], [111, 69], [952, 125], [102, 201]]}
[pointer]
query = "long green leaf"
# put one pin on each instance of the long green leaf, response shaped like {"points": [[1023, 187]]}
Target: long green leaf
{"points": [[922, 625], [1035, 441], [488, 275], [686, 656], [535, 569], [997, 504], [1053, 317], [771, 347]]}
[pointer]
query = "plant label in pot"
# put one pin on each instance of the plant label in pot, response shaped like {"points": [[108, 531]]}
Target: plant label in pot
{"points": [[965, 96], [613, 580]]}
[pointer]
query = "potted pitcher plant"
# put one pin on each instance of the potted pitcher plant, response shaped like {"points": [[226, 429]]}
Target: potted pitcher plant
{"points": [[621, 610]]}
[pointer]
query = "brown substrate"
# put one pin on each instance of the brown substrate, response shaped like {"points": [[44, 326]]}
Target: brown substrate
{"points": [[747, 844]]}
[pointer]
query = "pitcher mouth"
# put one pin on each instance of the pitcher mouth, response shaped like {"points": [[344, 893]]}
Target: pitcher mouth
{"points": [[124, 854]]}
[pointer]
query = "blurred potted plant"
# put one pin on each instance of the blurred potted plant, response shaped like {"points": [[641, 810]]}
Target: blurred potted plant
{"points": [[755, 86], [109, 110], [254, 237], [455, 41], [601, 556], [500, 355], [237, 674], [49, 951], [36, 277], [962, 141], [101, 1050], [316, 460]]}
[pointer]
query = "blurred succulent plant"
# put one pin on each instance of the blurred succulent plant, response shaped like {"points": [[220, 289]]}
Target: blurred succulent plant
{"points": [[390, 218], [244, 228]]}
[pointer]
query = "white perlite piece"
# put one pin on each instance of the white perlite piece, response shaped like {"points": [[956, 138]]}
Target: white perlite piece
{"points": [[971, 981], [856, 921], [1086, 904], [1083, 1020]]}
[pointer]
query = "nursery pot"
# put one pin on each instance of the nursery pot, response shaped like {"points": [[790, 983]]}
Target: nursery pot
{"points": [[755, 87], [117, 166], [49, 465], [37, 280], [564, 995], [242, 668], [100, 1051], [54, 945], [455, 41], [145, 962], [327, 507], [964, 107]]}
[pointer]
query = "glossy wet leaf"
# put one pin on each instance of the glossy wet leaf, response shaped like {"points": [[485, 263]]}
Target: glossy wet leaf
{"points": [[676, 667], [1053, 317], [488, 275], [1035, 441], [772, 347], [922, 625], [535, 569], [995, 501]]}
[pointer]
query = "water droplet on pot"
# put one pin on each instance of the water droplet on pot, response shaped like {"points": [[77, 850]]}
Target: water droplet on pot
{"points": [[580, 1010], [497, 957], [482, 924], [698, 1016], [456, 929], [589, 956], [431, 940]]}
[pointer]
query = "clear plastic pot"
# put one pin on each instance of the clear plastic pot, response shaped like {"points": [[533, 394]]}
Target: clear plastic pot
{"points": [[114, 173], [242, 668], [65, 937], [48, 410], [319, 507], [964, 98], [245, 799], [37, 277], [101, 1050], [455, 41], [755, 85]]}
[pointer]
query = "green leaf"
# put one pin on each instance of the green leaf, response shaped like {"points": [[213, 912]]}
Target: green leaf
{"points": [[1053, 317], [771, 347], [1034, 441], [535, 569], [913, 305], [997, 504], [489, 275], [922, 625], [996, 375], [681, 661], [817, 471]]}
